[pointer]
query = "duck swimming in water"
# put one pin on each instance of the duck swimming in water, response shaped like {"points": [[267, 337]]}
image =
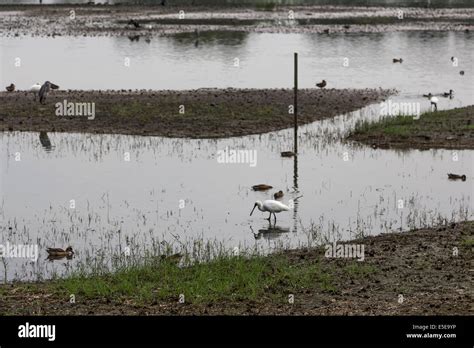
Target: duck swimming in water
{"points": [[395, 60], [261, 187], [456, 177], [448, 94], [58, 252], [278, 195]]}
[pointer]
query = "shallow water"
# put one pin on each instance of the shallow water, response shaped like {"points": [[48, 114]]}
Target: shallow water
{"points": [[136, 202], [265, 60]]}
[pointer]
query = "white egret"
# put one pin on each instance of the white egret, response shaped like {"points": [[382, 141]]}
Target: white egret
{"points": [[434, 102], [271, 206], [35, 88]]}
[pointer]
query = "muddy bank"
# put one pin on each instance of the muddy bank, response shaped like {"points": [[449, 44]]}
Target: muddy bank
{"points": [[202, 113], [448, 129], [420, 272], [55, 20]]}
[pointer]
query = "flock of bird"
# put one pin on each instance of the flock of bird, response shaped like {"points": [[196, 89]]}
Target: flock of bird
{"points": [[37, 89]]}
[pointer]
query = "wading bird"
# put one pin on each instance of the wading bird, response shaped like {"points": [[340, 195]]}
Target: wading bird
{"points": [[271, 206], [44, 90], [35, 89], [434, 102], [322, 84], [10, 88]]}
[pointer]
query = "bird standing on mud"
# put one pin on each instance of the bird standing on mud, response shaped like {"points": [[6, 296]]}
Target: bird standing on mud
{"points": [[271, 206], [10, 88], [44, 90], [434, 102], [322, 84], [35, 89]]}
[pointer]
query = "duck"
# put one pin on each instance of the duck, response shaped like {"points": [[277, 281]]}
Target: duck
{"points": [[461, 72], [278, 195], [261, 187], [287, 154], [134, 23], [448, 94], [60, 252], [456, 177], [175, 258], [429, 95], [395, 60], [10, 88], [322, 84]]}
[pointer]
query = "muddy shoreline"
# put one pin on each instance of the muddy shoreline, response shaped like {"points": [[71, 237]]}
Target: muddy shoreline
{"points": [[202, 113], [421, 265], [100, 20]]}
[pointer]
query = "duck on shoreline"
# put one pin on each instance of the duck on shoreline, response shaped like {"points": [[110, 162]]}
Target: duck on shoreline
{"points": [[10, 88], [322, 84]]}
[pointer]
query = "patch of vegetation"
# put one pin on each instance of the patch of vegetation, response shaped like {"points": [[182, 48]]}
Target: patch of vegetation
{"points": [[230, 278], [449, 128], [270, 6], [468, 242]]}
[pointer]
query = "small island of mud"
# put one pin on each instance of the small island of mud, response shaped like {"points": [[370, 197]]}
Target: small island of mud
{"points": [[202, 113]]}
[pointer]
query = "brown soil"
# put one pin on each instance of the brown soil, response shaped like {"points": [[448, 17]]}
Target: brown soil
{"points": [[419, 265], [208, 113]]}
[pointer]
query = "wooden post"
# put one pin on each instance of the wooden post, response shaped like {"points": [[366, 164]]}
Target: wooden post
{"points": [[295, 150]]}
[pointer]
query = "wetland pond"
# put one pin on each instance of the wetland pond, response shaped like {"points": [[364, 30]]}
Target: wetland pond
{"points": [[175, 190]]}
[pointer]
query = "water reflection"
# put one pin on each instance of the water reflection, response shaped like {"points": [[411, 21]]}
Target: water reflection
{"points": [[271, 232], [45, 142]]}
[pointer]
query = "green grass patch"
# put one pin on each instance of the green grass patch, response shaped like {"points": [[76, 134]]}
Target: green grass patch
{"points": [[468, 242], [225, 278], [446, 122]]}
